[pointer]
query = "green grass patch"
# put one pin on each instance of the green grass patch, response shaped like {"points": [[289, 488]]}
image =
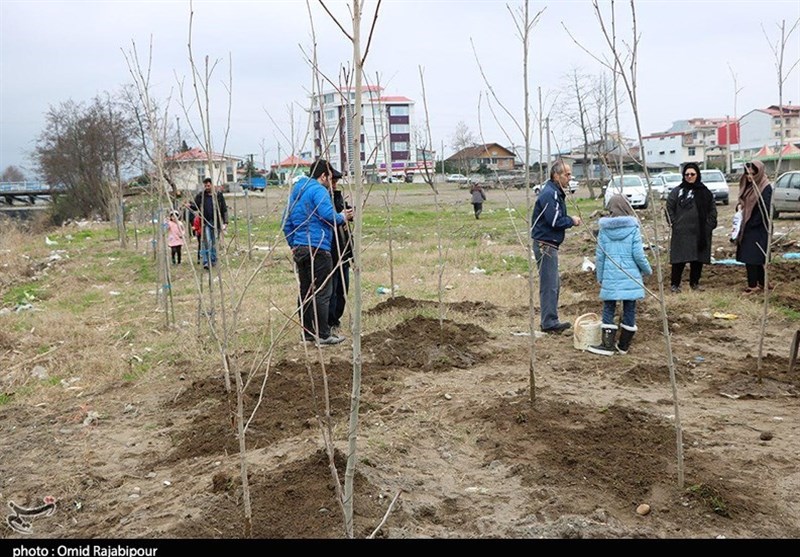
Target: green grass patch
{"points": [[711, 498], [4, 399], [789, 313], [23, 294], [82, 300], [136, 371], [81, 236], [506, 264]]}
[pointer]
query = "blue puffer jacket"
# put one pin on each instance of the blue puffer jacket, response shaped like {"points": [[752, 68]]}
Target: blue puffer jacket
{"points": [[550, 219], [621, 261], [309, 217]]}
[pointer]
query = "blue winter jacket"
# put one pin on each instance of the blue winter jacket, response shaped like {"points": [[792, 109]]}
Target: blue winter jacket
{"points": [[309, 218], [620, 259], [550, 219]]}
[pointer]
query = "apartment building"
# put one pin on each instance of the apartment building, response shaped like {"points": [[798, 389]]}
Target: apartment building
{"points": [[388, 145]]}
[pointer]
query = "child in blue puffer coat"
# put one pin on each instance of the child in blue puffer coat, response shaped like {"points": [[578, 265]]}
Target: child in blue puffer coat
{"points": [[621, 263]]}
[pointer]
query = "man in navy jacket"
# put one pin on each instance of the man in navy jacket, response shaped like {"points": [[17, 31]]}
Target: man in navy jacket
{"points": [[549, 221], [308, 225]]}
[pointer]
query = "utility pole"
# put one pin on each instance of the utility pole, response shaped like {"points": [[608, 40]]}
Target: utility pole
{"points": [[549, 156], [727, 144], [278, 166]]}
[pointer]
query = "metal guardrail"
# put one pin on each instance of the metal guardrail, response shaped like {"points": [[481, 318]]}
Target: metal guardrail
{"points": [[23, 188]]}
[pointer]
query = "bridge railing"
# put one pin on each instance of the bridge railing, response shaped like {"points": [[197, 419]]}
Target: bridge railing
{"points": [[24, 187]]}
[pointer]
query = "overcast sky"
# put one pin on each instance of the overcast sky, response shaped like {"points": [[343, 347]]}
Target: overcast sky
{"points": [[688, 56]]}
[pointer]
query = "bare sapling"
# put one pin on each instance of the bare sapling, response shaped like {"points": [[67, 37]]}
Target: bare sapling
{"points": [[154, 129], [437, 204], [782, 74], [620, 58], [524, 23], [355, 168], [219, 332]]}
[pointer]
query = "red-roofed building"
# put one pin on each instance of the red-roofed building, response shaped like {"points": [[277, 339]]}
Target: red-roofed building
{"points": [[290, 167], [490, 155], [188, 169]]}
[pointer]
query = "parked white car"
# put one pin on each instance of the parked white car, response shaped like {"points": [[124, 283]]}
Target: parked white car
{"points": [[664, 182], [631, 186], [786, 194], [573, 187], [457, 178], [715, 181]]}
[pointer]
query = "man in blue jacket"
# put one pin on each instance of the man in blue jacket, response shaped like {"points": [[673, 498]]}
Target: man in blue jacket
{"points": [[308, 225], [549, 221]]}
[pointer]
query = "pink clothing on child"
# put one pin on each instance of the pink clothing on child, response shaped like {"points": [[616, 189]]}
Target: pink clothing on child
{"points": [[175, 233]]}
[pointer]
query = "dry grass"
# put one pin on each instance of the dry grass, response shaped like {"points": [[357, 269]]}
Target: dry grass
{"points": [[96, 313]]}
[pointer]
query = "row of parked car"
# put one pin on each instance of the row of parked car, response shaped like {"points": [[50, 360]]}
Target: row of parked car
{"points": [[785, 192], [635, 188], [785, 197]]}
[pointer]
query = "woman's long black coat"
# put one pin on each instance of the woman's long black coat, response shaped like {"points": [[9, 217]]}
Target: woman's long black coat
{"points": [[753, 246]]}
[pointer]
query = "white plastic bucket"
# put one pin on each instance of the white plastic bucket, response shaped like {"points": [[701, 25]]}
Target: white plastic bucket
{"points": [[587, 331]]}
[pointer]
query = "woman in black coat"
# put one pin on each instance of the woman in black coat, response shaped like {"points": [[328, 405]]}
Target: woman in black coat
{"points": [[755, 197], [692, 214]]}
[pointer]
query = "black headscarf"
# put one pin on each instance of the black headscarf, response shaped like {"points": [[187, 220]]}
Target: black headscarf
{"points": [[703, 199]]}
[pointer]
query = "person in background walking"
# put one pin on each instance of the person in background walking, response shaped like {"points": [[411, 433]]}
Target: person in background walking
{"points": [[692, 214], [308, 226], [755, 197], [548, 225], [478, 197], [214, 220], [176, 236], [620, 265], [341, 254]]}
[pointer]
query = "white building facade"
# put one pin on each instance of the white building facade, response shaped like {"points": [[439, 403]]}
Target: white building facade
{"points": [[761, 127], [669, 149]]}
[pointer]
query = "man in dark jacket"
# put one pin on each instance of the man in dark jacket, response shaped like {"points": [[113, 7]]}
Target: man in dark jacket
{"points": [[342, 254], [214, 220], [308, 226], [549, 221]]}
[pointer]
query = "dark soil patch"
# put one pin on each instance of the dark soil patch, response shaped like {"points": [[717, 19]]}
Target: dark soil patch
{"points": [[480, 309], [297, 501], [290, 408], [423, 344]]}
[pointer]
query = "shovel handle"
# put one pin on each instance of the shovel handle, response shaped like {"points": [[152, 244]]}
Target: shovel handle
{"points": [[793, 352]]}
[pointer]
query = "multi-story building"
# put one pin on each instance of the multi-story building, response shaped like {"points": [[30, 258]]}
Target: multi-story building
{"points": [[761, 127], [388, 146], [702, 142], [664, 151]]}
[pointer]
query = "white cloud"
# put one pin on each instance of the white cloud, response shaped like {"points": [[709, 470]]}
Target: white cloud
{"points": [[54, 51]]}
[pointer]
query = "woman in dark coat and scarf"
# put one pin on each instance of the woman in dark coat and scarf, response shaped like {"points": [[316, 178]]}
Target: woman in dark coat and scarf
{"points": [[755, 196], [692, 214]]}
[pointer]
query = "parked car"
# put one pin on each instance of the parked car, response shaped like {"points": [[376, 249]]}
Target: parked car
{"points": [[786, 194], [631, 186], [715, 181], [664, 182], [573, 187], [457, 178]]}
